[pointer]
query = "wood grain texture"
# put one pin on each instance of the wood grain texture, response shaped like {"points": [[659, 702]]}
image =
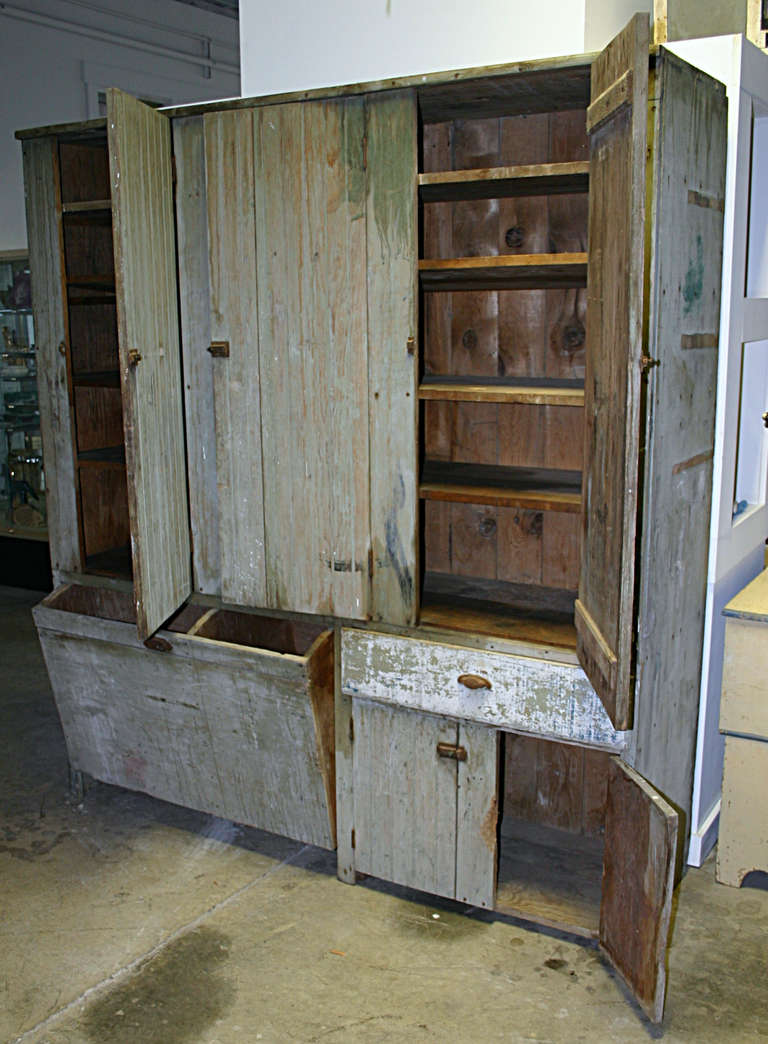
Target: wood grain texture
{"points": [[392, 247], [224, 729], [638, 881], [743, 839], [476, 816], [614, 350], [194, 312], [685, 279], [147, 319], [237, 387], [405, 797], [527, 695], [311, 257], [43, 203]]}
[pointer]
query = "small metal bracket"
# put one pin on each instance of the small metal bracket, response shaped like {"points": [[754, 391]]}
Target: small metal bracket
{"points": [[219, 349], [451, 750], [134, 357], [410, 345], [647, 363], [765, 420]]}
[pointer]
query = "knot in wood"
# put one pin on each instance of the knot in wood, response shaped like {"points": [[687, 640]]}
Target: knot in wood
{"points": [[573, 338], [514, 236], [469, 340]]}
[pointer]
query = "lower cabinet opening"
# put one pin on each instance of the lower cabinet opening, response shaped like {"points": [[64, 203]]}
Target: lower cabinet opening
{"points": [[261, 632], [550, 832]]}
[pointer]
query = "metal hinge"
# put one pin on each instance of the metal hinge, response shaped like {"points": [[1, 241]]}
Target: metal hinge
{"points": [[351, 730], [353, 839], [647, 363]]}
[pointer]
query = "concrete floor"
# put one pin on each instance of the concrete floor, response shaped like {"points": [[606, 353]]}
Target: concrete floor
{"points": [[125, 919]]}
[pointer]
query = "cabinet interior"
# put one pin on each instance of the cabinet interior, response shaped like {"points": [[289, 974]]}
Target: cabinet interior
{"points": [[503, 240], [92, 362], [551, 827]]}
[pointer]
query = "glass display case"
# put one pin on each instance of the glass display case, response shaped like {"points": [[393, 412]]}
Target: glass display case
{"points": [[22, 480]]}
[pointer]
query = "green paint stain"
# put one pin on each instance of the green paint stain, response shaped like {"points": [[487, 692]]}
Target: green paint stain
{"points": [[694, 278]]}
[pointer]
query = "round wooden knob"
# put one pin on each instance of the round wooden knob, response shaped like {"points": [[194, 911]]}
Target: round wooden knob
{"points": [[474, 681]]}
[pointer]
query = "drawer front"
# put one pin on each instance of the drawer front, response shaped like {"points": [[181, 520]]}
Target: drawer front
{"points": [[245, 734], [744, 704], [519, 693], [743, 841]]}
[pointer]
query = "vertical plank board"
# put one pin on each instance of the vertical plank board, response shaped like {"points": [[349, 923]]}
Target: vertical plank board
{"points": [[477, 815], [685, 279], [234, 318], [638, 881], [194, 304], [311, 263], [148, 323], [405, 797], [344, 767], [46, 264], [392, 243], [617, 120]]}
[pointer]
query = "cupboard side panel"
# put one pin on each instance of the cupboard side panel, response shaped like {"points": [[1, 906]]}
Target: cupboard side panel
{"points": [[616, 120], [392, 243], [48, 294], [234, 319], [148, 324], [405, 798], [194, 304], [310, 215], [685, 277]]}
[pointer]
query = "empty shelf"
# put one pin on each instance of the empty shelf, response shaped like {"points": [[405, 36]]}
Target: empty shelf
{"points": [[535, 179], [505, 272]]}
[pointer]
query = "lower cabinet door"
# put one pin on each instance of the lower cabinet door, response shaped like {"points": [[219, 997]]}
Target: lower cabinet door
{"points": [[425, 801]]}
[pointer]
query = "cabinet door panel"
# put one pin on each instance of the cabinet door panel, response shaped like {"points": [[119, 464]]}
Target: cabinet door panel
{"points": [[150, 363], [638, 881], [616, 120], [311, 263], [236, 384], [404, 797]]}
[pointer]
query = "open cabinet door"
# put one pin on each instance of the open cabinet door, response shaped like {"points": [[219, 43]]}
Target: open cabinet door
{"points": [[616, 122], [638, 881], [150, 360]]}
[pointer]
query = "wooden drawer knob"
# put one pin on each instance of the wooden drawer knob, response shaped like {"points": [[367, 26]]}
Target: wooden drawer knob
{"points": [[158, 644], [451, 750], [474, 681]]}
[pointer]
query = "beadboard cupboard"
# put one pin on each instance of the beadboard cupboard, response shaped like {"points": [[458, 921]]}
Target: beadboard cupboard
{"points": [[385, 413]]}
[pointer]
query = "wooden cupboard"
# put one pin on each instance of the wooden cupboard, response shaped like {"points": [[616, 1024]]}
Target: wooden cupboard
{"points": [[429, 364]]}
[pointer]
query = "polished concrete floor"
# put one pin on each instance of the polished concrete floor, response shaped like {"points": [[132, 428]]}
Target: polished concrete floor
{"points": [[127, 919]]}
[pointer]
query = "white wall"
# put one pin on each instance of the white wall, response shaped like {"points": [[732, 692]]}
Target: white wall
{"points": [[52, 75], [303, 44]]}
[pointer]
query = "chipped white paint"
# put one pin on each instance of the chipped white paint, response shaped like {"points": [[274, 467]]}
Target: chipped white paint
{"points": [[526, 694]]}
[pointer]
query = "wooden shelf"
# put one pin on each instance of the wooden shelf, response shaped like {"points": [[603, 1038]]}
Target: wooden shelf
{"points": [[87, 206], [92, 282], [505, 272], [525, 612], [533, 391], [112, 457], [535, 489], [538, 179], [97, 379]]}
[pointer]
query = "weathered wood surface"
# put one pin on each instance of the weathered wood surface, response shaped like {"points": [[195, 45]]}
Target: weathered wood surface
{"points": [[496, 182], [344, 766], [689, 153], [241, 733], [744, 700], [310, 200], [194, 310], [234, 318], [614, 350], [147, 317], [638, 881], [527, 695], [405, 797], [476, 816], [743, 839], [392, 245], [46, 262], [550, 877]]}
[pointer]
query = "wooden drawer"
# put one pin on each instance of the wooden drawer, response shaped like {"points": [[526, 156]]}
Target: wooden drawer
{"points": [[744, 703], [232, 714], [743, 839], [518, 693]]}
